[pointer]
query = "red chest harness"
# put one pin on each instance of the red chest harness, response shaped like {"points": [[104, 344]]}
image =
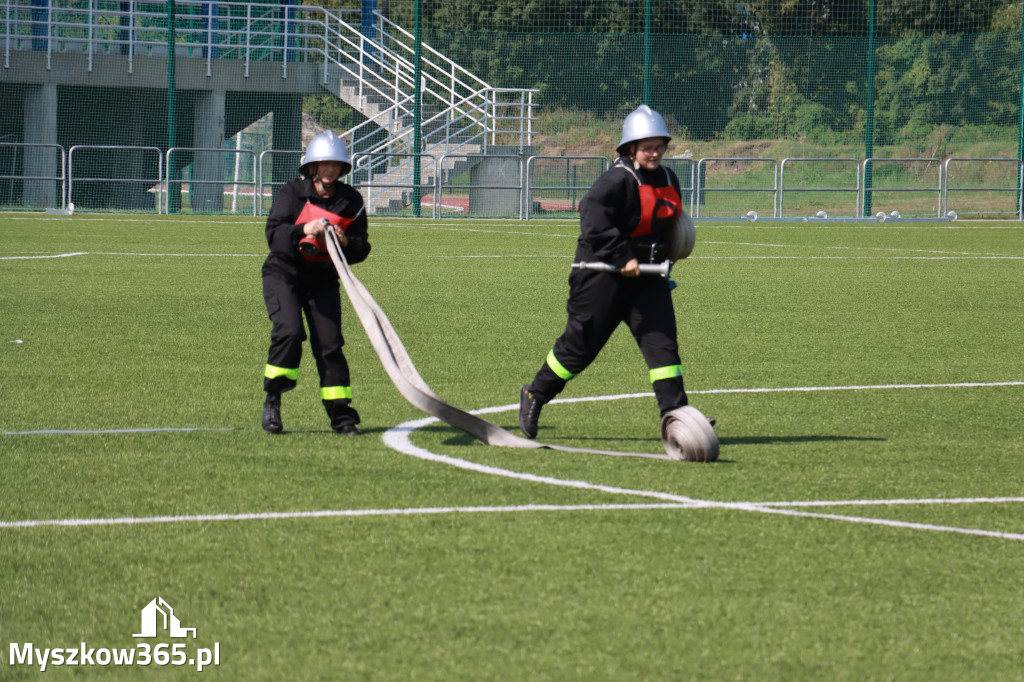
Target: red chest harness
{"points": [[656, 204], [314, 249]]}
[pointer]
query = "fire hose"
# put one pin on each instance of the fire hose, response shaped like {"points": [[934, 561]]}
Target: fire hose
{"points": [[685, 431]]}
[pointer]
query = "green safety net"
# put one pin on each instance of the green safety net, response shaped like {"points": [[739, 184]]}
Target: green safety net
{"points": [[205, 107]]}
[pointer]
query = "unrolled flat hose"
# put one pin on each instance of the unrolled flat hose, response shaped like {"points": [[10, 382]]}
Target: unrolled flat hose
{"points": [[403, 374]]}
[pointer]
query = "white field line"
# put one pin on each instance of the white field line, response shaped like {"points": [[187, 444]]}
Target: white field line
{"points": [[508, 408], [398, 438], [52, 255], [800, 224], [878, 387], [155, 220], [71, 432], [181, 255], [449, 228], [331, 513], [122, 253], [856, 258], [795, 224], [693, 258], [520, 256], [862, 248], [762, 507]]}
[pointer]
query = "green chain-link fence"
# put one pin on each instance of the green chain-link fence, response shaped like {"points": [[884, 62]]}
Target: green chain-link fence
{"points": [[122, 105]]}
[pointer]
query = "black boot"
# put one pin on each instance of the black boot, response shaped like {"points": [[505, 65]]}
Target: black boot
{"points": [[529, 411], [272, 413], [344, 418]]}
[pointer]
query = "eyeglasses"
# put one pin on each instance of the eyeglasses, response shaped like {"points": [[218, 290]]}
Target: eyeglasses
{"points": [[651, 151]]}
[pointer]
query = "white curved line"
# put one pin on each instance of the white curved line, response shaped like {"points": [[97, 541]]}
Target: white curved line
{"points": [[398, 439]]}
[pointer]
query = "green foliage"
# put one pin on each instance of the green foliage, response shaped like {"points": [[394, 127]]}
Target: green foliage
{"points": [[750, 128], [329, 112], [714, 65]]}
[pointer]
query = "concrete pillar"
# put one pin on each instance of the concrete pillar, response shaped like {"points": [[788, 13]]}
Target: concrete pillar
{"points": [[209, 133], [287, 136], [40, 127], [141, 164]]}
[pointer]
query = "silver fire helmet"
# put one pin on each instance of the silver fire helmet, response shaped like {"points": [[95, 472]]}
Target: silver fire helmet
{"points": [[641, 124], [325, 147]]}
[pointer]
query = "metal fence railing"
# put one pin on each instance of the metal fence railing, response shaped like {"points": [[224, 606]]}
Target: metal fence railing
{"points": [[556, 184], [900, 179], [207, 185], [266, 184], [392, 191], [703, 174], [979, 175], [237, 181], [29, 176], [805, 185], [103, 170]]}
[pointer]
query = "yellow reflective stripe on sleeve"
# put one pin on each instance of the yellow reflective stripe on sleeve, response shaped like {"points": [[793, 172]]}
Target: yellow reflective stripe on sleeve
{"points": [[557, 367], [272, 372], [336, 392], [670, 372]]}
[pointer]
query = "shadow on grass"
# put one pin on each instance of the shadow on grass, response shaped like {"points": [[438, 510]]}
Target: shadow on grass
{"points": [[770, 440], [464, 439], [304, 430]]}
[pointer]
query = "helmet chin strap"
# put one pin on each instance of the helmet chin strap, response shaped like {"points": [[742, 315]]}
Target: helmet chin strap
{"points": [[321, 188]]}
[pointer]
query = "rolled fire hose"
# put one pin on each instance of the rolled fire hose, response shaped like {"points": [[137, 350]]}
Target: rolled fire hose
{"points": [[680, 444]]}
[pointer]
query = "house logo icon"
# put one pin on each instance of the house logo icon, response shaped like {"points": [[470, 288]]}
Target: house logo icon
{"points": [[170, 621]]}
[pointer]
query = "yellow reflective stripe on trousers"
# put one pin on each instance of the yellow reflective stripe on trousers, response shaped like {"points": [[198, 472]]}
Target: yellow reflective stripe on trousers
{"points": [[272, 372], [336, 392], [670, 372], [557, 367]]}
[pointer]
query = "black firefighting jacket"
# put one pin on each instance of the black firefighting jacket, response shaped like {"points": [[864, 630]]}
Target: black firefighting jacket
{"points": [[283, 234], [610, 212]]}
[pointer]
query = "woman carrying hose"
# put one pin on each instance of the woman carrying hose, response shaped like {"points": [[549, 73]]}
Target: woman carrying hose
{"points": [[629, 217], [300, 279]]}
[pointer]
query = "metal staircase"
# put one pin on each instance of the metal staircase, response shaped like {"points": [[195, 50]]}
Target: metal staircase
{"points": [[368, 62], [461, 116]]}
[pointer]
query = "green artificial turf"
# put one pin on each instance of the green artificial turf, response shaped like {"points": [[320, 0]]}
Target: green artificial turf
{"points": [[864, 521]]}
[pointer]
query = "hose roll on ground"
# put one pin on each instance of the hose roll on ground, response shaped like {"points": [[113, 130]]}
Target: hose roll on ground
{"points": [[688, 436]]}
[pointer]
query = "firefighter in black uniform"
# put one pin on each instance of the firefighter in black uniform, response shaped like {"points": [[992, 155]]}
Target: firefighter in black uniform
{"points": [[626, 219], [299, 278]]}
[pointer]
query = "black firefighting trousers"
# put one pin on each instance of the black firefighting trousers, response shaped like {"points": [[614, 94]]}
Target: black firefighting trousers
{"points": [[598, 303], [287, 302]]}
